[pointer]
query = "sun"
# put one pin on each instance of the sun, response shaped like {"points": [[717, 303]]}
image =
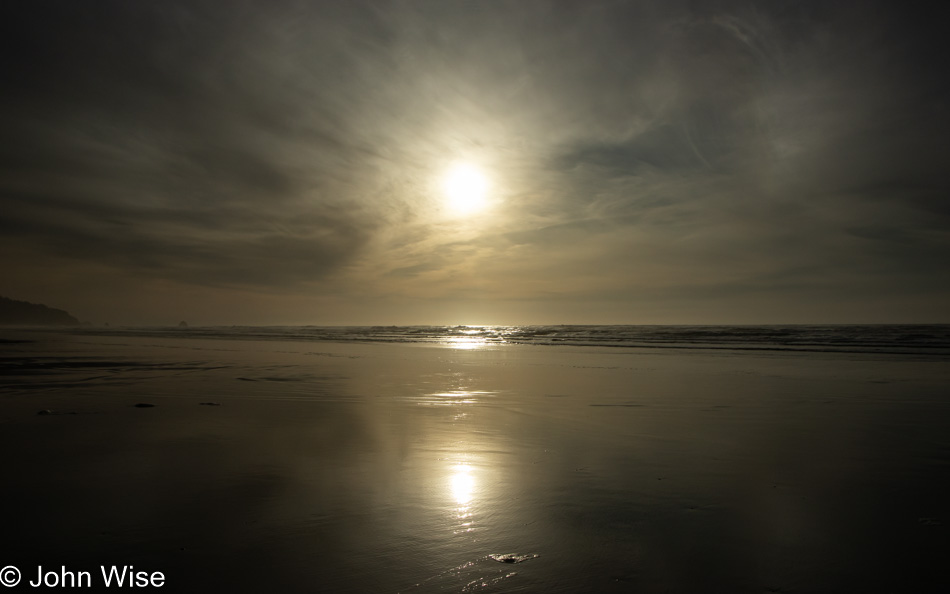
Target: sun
{"points": [[466, 188]]}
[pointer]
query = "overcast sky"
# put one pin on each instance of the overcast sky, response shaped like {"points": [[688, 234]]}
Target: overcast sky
{"points": [[280, 162]]}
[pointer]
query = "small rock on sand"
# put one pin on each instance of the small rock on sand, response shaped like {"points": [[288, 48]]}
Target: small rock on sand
{"points": [[144, 405]]}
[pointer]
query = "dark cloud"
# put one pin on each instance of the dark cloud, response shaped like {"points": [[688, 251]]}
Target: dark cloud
{"points": [[159, 138]]}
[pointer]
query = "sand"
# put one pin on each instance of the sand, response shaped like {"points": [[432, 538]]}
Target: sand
{"points": [[322, 467]]}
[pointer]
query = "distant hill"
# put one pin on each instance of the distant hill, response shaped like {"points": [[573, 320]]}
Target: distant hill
{"points": [[13, 312]]}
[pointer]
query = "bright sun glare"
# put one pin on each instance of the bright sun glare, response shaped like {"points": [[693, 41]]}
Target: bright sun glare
{"points": [[466, 188]]}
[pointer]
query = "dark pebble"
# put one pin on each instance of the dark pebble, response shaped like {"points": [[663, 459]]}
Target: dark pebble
{"points": [[144, 405]]}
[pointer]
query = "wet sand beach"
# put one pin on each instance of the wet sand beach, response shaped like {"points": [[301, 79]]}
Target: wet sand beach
{"points": [[293, 466]]}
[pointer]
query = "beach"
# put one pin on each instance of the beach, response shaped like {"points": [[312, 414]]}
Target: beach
{"points": [[245, 464]]}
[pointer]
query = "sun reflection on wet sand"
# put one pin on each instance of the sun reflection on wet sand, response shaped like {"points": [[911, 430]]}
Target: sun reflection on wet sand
{"points": [[454, 397], [466, 343], [463, 484], [462, 487]]}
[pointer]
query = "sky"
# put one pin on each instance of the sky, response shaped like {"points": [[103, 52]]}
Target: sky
{"points": [[654, 162]]}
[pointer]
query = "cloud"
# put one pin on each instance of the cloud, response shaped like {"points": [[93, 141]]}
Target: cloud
{"points": [[292, 146], [163, 141]]}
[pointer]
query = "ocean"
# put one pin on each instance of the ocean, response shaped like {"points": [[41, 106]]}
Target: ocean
{"points": [[881, 338]]}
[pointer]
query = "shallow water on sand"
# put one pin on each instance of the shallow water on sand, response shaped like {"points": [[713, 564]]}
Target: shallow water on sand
{"points": [[420, 468]]}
